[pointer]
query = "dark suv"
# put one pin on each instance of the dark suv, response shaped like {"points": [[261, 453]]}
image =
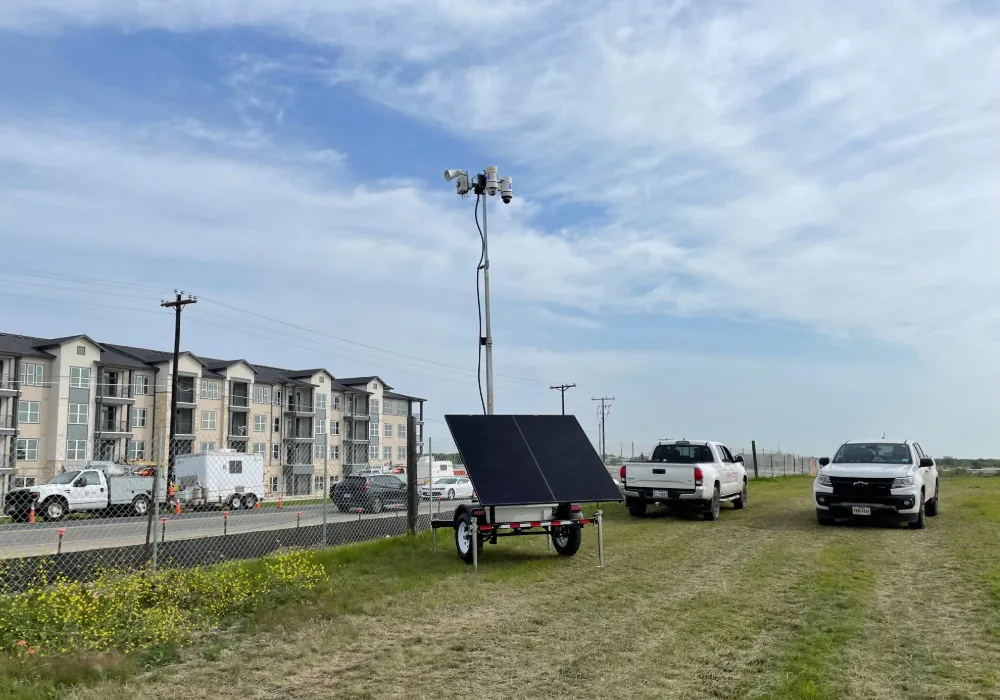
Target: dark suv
{"points": [[372, 493]]}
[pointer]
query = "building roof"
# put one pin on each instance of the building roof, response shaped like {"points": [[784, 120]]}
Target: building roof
{"points": [[22, 345], [357, 381], [400, 397]]}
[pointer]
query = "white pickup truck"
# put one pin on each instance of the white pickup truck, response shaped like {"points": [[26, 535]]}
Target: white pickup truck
{"points": [[696, 474], [100, 487], [888, 479]]}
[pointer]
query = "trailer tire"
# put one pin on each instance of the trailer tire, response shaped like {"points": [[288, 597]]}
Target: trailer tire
{"points": [[140, 506], [235, 502], [464, 537], [249, 501], [567, 540]]}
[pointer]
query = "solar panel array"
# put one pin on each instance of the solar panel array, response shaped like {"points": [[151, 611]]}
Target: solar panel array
{"points": [[520, 459]]}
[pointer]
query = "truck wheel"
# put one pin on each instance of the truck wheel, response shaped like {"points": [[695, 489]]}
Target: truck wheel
{"points": [[741, 502], [921, 521], [464, 537], [249, 501], [932, 505], [567, 540], [54, 509], [637, 509], [235, 502], [825, 520], [376, 505], [714, 505], [140, 506]]}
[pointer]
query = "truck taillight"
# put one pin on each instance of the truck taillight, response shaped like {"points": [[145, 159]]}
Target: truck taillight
{"points": [[366, 487], [621, 473], [699, 476]]}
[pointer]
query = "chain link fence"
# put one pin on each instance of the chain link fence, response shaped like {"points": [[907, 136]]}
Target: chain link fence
{"points": [[183, 508]]}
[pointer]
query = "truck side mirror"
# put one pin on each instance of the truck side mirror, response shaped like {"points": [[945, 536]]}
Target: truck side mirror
{"points": [[823, 461], [739, 458], [926, 462]]}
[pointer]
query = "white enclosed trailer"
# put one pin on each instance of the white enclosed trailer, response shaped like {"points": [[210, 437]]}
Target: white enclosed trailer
{"points": [[221, 479]]}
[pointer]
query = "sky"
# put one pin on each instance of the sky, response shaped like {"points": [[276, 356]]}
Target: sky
{"points": [[745, 221]]}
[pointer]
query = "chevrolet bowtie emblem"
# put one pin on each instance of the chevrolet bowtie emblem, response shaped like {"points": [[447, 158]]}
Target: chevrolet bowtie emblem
{"points": [[860, 483]]}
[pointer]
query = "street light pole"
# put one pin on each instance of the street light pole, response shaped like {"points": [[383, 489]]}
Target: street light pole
{"points": [[486, 303]]}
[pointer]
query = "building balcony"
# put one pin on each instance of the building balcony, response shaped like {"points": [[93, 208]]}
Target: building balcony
{"points": [[9, 387], [7, 427], [114, 428], [300, 437], [300, 409], [239, 402], [356, 415], [238, 435], [115, 394]]}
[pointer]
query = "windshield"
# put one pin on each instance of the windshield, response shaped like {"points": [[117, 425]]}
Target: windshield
{"points": [[446, 480], [682, 454], [65, 478], [873, 453]]}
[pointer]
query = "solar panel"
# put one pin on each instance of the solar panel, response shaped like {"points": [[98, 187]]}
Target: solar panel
{"points": [[516, 459]]}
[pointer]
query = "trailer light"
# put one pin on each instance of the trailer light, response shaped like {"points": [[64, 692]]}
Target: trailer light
{"points": [[699, 476], [575, 508], [621, 473], [479, 513]]}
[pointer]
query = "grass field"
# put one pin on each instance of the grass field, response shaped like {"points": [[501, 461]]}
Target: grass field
{"points": [[762, 604]]}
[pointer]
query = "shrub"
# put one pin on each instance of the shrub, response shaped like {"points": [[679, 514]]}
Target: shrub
{"points": [[129, 612]]}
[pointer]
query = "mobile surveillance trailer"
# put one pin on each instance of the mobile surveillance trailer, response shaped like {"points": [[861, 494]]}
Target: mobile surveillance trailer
{"points": [[531, 474]]}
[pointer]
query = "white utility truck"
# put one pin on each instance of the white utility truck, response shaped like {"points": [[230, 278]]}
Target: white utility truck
{"points": [[696, 474], [887, 479], [220, 479], [104, 488]]}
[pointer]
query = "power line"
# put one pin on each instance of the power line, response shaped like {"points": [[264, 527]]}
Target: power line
{"points": [[562, 392]]}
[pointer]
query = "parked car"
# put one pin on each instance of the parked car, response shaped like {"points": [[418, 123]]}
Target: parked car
{"points": [[449, 488], [686, 473], [372, 493], [887, 479]]}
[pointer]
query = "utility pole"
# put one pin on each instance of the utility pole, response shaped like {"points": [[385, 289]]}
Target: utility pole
{"points": [[605, 407], [562, 391], [177, 305]]}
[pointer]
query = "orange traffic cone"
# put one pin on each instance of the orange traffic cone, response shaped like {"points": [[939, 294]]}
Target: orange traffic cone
{"points": [[279, 500], [31, 515], [256, 506], [177, 507]]}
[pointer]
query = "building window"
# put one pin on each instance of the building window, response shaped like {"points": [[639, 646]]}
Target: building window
{"points": [[76, 449], [335, 427], [386, 452], [24, 482], [336, 403], [78, 413], [374, 407], [335, 451], [26, 449], [209, 390], [320, 451], [261, 394], [260, 448], [321, 427], [374, 429], [401, 430], [32, 375], [276, 397], [401, 408], [318, 483], [387, 407], [277, 425], [137, 450], [272, 484], [259, 423], [388, 430], [275, 451], [208, 447], [208, 421], [141, 385], [28, 411], [401, 453], [321, 401], [138, 417], [373, 451], [79, 377]]}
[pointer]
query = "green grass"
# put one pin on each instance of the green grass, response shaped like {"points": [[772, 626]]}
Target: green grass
{"points": [[762, 604]]}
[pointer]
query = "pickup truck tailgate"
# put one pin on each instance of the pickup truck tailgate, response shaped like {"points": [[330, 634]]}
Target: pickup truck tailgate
{"points": [[659, 475]]}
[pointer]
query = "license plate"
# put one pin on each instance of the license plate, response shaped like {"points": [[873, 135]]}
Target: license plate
{"points": [[661, 494], [348, 496], [861, 510]]}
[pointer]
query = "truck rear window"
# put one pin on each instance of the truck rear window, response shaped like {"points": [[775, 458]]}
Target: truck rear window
{"points": [[682, 454]]}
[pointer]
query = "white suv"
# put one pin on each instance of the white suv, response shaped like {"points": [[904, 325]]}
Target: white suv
{"points": [[877, 478]]}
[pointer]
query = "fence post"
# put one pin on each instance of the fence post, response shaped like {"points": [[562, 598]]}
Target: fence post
{"points": [[326, 489], [411, 474], [753, 448], [429, 452]]}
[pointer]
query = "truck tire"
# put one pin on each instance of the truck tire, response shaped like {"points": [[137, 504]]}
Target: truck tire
{"points": [[741, 501], [921, 521], [714, 505], [376, 505], [235, 502], [140, 505], [250, 501], [932, 505], [464, 537], [567, 540], [54, 509], [825, 520], [636, 508]]}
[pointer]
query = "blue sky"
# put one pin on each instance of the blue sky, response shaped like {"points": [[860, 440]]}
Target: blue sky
{"points": [[745, 221]]}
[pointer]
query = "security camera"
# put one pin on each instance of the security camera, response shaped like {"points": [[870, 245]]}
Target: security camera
{"points": [[450, 175], [506, 189], [491, 180]]}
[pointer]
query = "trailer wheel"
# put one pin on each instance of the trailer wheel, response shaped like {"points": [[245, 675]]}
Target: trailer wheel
{"points": [[235, 502], [463, 538], [140, 505], [249, 501], [567, 540]]}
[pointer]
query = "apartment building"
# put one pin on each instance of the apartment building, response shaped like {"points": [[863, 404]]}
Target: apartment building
{"points": [[66, 400]]}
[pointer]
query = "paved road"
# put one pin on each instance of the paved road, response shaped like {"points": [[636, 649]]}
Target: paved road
{"points": [[22, 540]]}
